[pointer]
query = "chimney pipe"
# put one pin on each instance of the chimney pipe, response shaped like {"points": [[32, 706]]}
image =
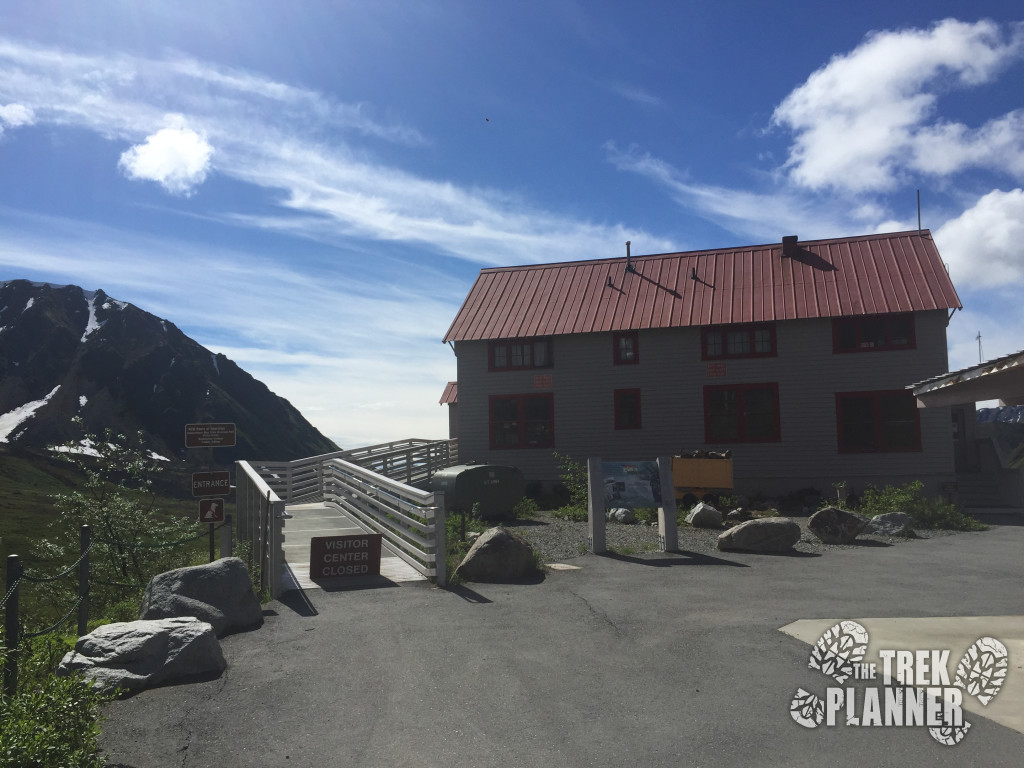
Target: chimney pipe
{"points": [[790, 246], [629, 261]]}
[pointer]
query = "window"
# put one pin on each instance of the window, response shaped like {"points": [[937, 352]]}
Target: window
{"points": [[873, 333], [522, 421], [626, 349], [627, 409], [877, 421], [741, 413], [519, 354], [738, 341]]}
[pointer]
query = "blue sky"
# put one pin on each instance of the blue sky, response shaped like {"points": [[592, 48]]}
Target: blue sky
{"points": [[312, 187]]}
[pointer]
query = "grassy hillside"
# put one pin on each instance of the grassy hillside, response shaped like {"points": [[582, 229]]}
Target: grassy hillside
{"points": [[28, 481]]}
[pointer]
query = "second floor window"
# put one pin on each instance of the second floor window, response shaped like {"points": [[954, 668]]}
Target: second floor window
{"points": [[872, 333], [729, 341], [519, 354], [626, 349]]}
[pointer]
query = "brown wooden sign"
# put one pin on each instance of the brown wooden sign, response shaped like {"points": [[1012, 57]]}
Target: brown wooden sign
{"points": [[339, 556], [211, 483], [209, 435], [211, 510]]}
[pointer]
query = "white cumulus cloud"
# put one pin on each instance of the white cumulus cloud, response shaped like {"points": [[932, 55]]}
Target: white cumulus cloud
{"points": [[176, 157], [983, 244], [871, 115]]}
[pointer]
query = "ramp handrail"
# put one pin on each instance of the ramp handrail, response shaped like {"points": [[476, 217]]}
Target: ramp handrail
{"points": [[410, 520], [412, 461], [260, 513]]}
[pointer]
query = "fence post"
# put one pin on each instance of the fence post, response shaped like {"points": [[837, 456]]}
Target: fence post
{"points": [[83, 581], [440, 541], [11, 626], [226, 548]]}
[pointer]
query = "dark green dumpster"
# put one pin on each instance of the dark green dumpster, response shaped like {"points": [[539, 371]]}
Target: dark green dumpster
{"points": [[496, 488]]}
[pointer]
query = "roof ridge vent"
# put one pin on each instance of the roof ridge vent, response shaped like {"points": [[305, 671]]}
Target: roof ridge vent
{"points": [[790, 246]]}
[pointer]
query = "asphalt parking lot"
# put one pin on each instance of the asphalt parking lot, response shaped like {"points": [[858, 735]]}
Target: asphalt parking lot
{"points": [[652, 660]]}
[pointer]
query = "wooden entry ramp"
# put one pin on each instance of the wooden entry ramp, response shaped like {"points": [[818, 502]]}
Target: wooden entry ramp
{"points": [[319, 519]]}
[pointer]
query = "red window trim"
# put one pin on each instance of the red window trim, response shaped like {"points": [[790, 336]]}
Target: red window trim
{"points": [[724, 329], [521, 421], [507, 343], [639, 409], [858, 322], [709, 388], [876, 421], [617, 351]]}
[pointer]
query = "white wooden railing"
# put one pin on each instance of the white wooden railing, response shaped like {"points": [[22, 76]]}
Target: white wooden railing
{"points": [[411, 521], [375, 485], [260, 513], [413, 462]]}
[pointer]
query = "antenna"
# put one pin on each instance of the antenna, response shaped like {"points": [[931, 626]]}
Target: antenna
{"points": [[919, 212], [981, 359]]}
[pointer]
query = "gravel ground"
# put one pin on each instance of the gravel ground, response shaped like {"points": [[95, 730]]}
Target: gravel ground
{"points": [[558, 540]]}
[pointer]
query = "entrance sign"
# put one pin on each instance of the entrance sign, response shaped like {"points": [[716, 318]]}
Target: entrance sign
{"points": [[211, 510], [334, 556], [211, 483], [209, 435]]}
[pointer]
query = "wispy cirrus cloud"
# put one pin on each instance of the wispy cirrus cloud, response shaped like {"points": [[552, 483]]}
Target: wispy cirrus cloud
{"points": [[328, 340], [269, 134]]}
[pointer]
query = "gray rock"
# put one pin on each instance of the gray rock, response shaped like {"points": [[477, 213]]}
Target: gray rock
{"points": [[704, 516], [737, 515], [134, 655], [836, 526], [219, 593], [891, 524], [620, 515], [769, 534], [497, 556]]}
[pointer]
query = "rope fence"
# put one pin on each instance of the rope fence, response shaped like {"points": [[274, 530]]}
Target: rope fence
{"points": [[16, 574]]}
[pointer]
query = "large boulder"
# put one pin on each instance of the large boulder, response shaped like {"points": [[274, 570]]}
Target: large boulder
{"points": [[134, 655], [766, 534], [498, 556], [891, 524], [836, 526], [219, 593], [704, 516]]}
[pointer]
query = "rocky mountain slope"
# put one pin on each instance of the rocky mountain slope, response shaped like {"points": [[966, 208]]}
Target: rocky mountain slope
{"points": [[66, 352]]}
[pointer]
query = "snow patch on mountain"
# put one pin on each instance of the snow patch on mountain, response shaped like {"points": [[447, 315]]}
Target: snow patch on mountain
{"points": [[12, 419]]}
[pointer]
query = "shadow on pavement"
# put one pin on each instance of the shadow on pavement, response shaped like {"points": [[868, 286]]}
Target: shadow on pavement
{"points": [[467, 594], [297, 600], [688, 558]]}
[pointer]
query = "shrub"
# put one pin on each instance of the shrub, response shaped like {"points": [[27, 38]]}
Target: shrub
{"points": [[49, 720], [574, 477], [925, 512], [526, 508]]}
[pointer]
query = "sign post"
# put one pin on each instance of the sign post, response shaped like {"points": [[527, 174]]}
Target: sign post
{"points": [[213, 435]]}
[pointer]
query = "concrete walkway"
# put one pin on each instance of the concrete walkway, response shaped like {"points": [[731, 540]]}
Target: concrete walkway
{"points": [[310, 520]]}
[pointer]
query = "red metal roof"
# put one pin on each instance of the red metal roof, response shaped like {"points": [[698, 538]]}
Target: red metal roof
{"points": [[451, 393], [871, 274]]}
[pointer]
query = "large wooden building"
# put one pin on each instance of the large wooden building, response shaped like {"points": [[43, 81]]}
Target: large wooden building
{"points": [[794, 355]]}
